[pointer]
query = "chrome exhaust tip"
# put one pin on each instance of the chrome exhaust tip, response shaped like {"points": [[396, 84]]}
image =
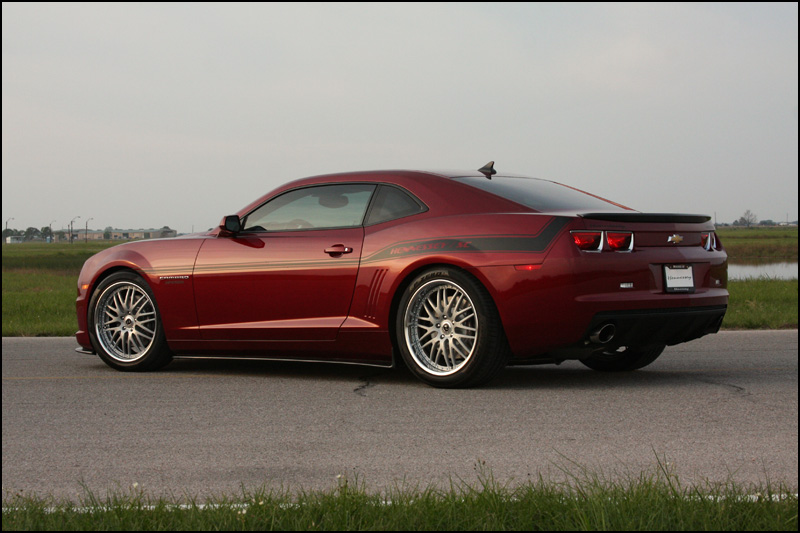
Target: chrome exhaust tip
{"points": [[603, 334]]}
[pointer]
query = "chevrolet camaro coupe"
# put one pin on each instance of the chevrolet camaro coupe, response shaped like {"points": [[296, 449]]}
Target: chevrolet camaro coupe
{"points": [[456, 273]]}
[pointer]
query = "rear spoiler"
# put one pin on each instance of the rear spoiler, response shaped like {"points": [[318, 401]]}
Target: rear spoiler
{"points": [[647, 217]]}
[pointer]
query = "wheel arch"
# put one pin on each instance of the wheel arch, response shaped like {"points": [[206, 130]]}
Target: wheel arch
{"points": [[111, 271]]}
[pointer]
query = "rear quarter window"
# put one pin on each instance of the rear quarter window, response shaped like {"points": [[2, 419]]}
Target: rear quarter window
{"points": [[392, 203]]}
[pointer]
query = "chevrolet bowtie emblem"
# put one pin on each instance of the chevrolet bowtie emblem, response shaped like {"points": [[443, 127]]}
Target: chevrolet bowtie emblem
{"points": [[675, 239]]}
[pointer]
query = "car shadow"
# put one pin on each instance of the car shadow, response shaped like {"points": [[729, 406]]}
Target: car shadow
{"points": [[299, 370], [574, 375], [539, 377]]}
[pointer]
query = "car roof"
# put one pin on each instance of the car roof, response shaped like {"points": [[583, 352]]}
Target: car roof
{"points": [[408, 173], [424, 183]]}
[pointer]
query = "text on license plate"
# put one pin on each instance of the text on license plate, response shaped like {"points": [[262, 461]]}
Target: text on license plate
{"points": [[679, 278]]}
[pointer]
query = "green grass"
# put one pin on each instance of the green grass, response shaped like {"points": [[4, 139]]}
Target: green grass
{"points": [[40, 287], [651, 501], [38, 303], [762, 304], [757, 242], [60, 257], [42, 303]]}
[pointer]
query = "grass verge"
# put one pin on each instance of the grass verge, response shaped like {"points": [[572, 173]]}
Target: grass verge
{"points": [[42, 303], [762, 304], [763, 243], [40, 284], [39, 303], [650, 502], [58, 256]]}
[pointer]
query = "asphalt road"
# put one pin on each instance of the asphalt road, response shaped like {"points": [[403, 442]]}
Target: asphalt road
{"points": [[720, 408]]}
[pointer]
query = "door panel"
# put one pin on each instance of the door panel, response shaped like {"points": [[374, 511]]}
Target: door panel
{"points": [[292, 285]]}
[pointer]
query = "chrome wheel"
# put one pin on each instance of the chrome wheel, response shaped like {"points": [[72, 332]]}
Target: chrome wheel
{"points": [[125, 321], [441, 327]]}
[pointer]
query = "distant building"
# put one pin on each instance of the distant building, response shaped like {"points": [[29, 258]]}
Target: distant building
{"points": [[82, 235], [91, 235], [122, 234], [133, 234]]}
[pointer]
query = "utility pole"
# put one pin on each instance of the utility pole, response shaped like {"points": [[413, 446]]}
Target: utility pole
{"points": [[86, 231], [12, 218], [70, 228]]}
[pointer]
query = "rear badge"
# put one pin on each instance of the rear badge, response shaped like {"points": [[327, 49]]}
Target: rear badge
{"points": [[675, 239]]}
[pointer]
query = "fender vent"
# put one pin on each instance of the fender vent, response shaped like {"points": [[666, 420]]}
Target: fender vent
{"points": [[374, 293]]}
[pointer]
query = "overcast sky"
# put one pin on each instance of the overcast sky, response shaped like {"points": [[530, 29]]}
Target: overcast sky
{"points": [[146, 115]]}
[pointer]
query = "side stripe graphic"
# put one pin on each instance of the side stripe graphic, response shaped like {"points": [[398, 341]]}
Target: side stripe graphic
{"points": [[474, 243]]}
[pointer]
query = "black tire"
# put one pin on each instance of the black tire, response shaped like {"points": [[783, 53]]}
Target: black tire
{"points": [[623, 360], [125, 324], [448, 330]]}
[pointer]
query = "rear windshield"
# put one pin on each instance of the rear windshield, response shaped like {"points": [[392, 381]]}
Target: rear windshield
{"points": [[541, 195]]}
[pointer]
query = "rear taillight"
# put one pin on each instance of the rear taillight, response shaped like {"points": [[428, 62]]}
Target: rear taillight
{"points": [[620, 241], [588, 241], [597, 241], [709, 241]]}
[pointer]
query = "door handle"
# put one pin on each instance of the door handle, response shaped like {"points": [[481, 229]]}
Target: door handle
{"points": [[338, 249]]}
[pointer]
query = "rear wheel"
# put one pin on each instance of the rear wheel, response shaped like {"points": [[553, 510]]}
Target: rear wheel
{"points": [[448, 330], [623, 359], [125, 326]]}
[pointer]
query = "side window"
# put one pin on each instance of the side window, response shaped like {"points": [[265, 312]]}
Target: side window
{"points": [[322, 206], [391, 203]]}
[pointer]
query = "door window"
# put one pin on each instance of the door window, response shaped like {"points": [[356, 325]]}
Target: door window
{"points": [[324, 206]]}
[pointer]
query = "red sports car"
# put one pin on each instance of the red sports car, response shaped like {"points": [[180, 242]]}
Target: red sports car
{"points": [[457, 273]]}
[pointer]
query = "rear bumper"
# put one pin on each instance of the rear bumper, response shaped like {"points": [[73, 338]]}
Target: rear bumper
{"points": [[658, 326], [639, 328]]}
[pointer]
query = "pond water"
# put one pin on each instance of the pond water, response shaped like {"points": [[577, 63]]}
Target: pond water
{"points": [[783, 270]]}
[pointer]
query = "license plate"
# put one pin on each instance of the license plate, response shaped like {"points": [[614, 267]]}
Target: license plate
{"points": [[679, 278]]}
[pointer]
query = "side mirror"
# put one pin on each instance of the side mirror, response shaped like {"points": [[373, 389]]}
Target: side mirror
{"points": [[232, 224]]}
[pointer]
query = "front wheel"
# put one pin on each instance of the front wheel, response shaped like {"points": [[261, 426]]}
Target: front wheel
{"points": [[448, 330], [125, 326], [623, 359]]}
